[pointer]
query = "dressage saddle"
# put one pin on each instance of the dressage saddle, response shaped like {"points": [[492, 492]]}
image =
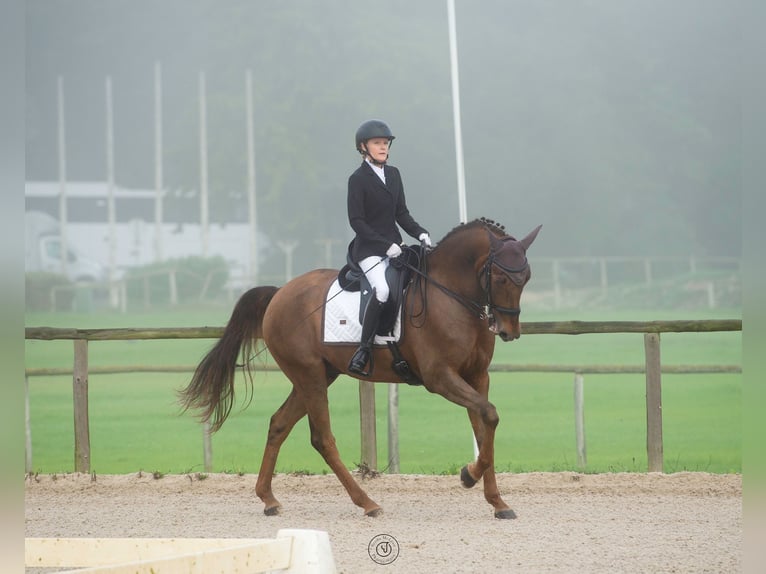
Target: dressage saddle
{"points": [[398, 275]]}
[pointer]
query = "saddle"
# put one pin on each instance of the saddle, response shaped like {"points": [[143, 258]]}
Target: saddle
{"points": [[398, 275], [351, 278]]}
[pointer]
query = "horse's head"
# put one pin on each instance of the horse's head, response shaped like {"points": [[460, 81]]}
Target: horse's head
{"points": [[503, 276], [501, 271]]}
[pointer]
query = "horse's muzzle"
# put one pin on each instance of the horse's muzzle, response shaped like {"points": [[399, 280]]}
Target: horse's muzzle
{"points": [[505, 336], [502, 333]]}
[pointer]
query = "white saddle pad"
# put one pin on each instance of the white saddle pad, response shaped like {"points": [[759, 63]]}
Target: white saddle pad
{"points": [[341, 318]]}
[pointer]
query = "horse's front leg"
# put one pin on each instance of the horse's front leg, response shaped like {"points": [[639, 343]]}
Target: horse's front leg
{"points": [[484, 420], [491, 492], [473, 394]]}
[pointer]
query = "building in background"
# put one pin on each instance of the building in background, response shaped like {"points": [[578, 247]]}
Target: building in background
{"points": [[87, 232]]}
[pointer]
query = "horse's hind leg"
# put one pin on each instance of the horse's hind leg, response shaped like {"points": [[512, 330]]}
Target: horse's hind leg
{"points": [[323, 441], [282, 422]]}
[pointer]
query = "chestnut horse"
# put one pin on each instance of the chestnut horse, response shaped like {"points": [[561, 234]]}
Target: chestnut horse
{"points": [[468, 294]]}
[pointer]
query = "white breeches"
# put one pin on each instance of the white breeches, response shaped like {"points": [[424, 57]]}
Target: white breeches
{"points": [[374, 268]]}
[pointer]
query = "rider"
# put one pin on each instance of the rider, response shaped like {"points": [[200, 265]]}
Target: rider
{"points": [[375, 205]]}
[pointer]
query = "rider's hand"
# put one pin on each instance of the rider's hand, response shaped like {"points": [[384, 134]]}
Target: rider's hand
{"points": [[425, 238], [394, 251]]}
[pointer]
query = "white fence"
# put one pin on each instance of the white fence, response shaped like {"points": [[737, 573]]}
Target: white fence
{"points": [[573, 281]]}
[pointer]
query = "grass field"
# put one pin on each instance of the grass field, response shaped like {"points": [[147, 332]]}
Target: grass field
{"points": [[136, 424]]}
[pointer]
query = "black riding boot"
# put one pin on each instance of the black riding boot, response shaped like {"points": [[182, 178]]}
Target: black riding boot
{"points": [[369, 328]]}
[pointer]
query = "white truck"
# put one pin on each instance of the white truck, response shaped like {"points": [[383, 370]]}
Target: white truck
{"points": [[44, 251]]}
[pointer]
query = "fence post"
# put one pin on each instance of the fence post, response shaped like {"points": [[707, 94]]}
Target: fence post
{"points": [[556, 284], [207, 447], [205, 286], [393, 428], [367, 420], [710, 289], [27, 429], [123, 290], [648, 271], [80, 394], [579, 402], [653, 402], [147, 295], [172, 286]]}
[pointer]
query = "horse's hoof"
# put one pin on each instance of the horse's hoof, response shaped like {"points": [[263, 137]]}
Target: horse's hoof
{"points": [[505, 514], [374, 513], [466, 478], [271, 510]]}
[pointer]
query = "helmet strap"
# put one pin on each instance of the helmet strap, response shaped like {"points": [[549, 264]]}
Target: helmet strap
{"points": [[367, 155]]}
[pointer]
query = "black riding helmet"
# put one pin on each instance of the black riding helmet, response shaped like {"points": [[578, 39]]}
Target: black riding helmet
{"points": [[372, 129]]}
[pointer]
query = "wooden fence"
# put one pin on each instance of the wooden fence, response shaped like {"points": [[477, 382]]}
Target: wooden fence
{"points": [[652, 368], [563, 277]]}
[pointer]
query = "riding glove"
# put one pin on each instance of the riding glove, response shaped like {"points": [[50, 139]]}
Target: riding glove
{"points": [[394, 251], [425, 238]]}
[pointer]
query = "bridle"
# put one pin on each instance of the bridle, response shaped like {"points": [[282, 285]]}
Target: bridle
{"points": [[511, 273], [487, 309]]}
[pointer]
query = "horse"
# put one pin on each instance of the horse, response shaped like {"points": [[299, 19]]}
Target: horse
{"points": [[468, 295]]}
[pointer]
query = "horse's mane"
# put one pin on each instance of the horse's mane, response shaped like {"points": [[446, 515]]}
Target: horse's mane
{"points": [[495, 227]]}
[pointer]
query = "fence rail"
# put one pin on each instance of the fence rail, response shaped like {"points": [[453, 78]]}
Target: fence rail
{"points": [[493, 368], [567, 279], [652, 368], [532, 328]]}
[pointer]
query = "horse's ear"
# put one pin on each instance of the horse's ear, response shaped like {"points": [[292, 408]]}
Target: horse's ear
{"points": [[495, 243], [527, 241]]}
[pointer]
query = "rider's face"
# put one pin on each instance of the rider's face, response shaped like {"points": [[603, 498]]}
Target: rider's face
{"points": [[377, 149]]}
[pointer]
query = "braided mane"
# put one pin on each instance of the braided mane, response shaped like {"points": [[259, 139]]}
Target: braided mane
{"points": [[495, 227]]}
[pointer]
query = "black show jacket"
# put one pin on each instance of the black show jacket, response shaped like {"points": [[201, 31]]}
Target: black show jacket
{"points": [[374, 209]]}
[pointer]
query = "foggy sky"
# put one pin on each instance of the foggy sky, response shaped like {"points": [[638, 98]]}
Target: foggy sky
{"points": [[614, 124]]}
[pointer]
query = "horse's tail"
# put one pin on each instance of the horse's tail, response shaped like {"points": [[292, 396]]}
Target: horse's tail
{"points": [[212, 386]]}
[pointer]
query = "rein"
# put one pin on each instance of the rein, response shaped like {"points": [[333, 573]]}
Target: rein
{"points": [[485, 311], [473, 306]]}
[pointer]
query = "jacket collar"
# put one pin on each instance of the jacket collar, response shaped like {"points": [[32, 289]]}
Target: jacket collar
{"points": [[371, 172]]}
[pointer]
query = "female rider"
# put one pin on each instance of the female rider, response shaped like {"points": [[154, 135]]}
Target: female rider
{"points": [[376, 204]]}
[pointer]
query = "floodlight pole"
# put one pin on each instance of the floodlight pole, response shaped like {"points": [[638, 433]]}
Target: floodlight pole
{"points": [[463, 208], [251, 198], [456, 111], [110, 201], [63, 216], [158, 179], [203, 192]]}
